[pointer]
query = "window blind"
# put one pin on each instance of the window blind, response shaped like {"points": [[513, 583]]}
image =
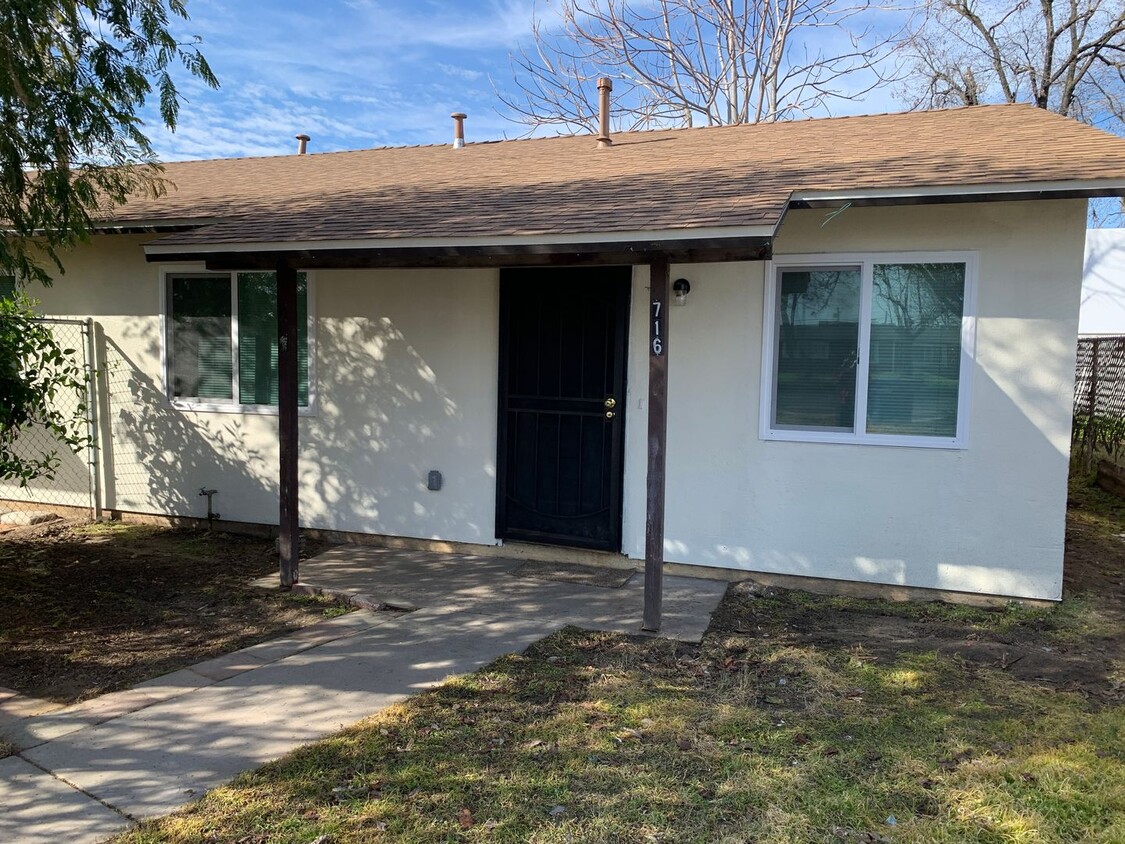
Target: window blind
{"points": [[201, 323], [915, 348], [257, 339], [201, 365]]}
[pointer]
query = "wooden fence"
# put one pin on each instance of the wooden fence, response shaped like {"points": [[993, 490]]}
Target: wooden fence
{"points": [[1099, 399]]}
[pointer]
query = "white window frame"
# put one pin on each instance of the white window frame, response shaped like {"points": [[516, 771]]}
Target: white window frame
{"points": [[866, 261], [232, 406]]}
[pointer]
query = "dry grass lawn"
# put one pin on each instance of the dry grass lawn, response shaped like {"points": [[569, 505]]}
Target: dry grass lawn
{"points": [[799, 719]]}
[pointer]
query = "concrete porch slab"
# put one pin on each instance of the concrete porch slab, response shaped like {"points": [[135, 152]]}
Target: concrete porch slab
{"points": [[486, 586]]}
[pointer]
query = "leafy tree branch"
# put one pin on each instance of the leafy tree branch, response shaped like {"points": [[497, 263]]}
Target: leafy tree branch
{"points": [[74, 74], [36, 375], [74, 77]]}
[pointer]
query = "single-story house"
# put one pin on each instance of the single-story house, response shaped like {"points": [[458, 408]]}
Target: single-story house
{"points": [[1103, 284], [837, 348]]}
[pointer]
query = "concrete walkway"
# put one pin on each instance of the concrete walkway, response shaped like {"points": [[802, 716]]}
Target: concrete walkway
{"points": [[90, 770]]}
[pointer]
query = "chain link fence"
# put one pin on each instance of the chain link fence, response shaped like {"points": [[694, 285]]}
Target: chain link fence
{"points": [[74, 483]]}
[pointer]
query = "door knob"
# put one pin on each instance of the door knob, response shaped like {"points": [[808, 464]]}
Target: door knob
{"points": [[611, 403]]}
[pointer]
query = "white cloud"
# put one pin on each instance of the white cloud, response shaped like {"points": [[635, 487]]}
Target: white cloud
{"points": [[355, 73], [474, 26], [460, 72]]}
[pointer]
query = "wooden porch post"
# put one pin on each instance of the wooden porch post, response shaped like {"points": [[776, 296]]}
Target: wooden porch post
{"points": [[287, 422], [659, 282]]}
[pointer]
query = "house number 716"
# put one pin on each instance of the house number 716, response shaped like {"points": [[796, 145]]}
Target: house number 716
{"points": [[657, 336]]}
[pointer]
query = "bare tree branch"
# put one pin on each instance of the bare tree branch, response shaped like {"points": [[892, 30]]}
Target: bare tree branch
{"points": [[701, 62], [1066, 56]]}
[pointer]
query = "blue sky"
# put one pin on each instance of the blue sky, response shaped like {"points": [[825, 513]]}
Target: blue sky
{"points": [[349, 73], [352, 74]]}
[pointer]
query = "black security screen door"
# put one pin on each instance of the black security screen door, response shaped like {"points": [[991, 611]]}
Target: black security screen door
{"points": [[562, 405]]}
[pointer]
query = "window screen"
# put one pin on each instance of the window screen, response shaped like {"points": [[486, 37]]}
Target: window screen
{"points": [[203, 315], [201, 337], [915, 370], [817, 338], [870, 352], [257, 339]]}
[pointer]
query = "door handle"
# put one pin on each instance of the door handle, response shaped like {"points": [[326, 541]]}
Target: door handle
{"points": [[610, 403]]}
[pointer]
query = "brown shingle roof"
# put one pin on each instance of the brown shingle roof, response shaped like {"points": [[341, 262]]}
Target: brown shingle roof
{"points": [[735, 176]]}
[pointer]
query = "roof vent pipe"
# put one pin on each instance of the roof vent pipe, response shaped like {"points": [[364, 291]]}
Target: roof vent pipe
{"points": [[604, 87], [458, 129], [303, 144]]}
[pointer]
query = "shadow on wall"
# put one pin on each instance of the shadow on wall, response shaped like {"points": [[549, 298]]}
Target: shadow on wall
{"points": [[385, 418], [154, 457], [69, 484], [987, 519]]}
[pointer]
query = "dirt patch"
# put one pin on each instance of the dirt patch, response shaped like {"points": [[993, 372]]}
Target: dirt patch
{"points": [[1095, 550], [92, 608], [1075, 646]]}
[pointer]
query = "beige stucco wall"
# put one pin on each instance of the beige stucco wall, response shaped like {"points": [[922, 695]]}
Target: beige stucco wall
{"points": [[989, 518], [406, 382]]}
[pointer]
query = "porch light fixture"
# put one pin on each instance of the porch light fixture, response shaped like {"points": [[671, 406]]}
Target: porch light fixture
{"points": [[681, 287]]}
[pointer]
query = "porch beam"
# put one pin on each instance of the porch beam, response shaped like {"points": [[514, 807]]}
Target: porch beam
{"points": [[288, 446], [659, 288], [533, 255]]}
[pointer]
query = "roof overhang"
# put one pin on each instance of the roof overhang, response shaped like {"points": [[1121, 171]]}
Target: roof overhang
{"points": [[700, 245], [938, 194], [679, 246], [151, 226], [154, 226]]}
